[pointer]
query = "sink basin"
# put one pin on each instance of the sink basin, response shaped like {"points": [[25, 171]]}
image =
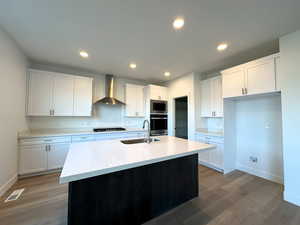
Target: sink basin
{"points": [[137, 141]]}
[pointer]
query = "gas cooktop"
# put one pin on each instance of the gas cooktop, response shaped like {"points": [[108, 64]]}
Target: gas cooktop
{"points": [[109, 129]]}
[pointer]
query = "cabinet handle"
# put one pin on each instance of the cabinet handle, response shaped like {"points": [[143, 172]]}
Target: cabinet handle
{"points": [[243, 92], [48, 140], [246, 91], [51, 112], [49, 148]]}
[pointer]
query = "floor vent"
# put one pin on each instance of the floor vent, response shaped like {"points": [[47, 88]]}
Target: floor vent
{"points": [[14, 195]]}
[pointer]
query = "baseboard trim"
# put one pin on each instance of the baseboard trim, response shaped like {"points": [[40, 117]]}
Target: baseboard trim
{"points": [[259, 173], [5, 187], [210, 166], [291, 198]]}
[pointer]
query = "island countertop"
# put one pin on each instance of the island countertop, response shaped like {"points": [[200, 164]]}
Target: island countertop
{"points": [[96, 158]]}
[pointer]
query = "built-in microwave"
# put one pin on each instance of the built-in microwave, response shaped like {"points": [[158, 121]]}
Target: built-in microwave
{"points": [[159, 106]]}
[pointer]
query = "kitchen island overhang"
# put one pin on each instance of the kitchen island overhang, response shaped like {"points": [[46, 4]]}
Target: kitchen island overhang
{"points": [[139, 183]]}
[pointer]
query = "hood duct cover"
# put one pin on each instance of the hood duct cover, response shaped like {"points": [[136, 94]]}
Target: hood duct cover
{"points": [[109, 98]]}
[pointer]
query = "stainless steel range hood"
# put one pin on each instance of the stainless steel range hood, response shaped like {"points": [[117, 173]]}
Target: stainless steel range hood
{"points": [[109, 98]]}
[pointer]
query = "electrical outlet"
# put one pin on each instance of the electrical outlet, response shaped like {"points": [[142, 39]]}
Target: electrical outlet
{"points": [[253, 159]]}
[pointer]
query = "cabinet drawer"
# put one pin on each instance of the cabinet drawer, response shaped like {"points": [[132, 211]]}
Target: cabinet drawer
{"points": [[45, 140], [208, 138], [219, 140], [82, 138]]}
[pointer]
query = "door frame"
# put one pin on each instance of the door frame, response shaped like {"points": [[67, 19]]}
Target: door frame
{"points": [[172, 115]]}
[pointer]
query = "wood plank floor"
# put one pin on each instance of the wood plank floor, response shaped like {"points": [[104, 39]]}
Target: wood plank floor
{"points": [[235, 199]]}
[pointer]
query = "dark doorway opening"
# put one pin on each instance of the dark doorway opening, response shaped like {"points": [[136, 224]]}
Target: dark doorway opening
{"points": [[181, 117]]}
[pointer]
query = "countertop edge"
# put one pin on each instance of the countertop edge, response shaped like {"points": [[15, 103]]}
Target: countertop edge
{"points": [[86, 175]]}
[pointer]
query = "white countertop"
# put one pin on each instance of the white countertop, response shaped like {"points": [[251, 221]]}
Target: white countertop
{"points": [[210, 133], [91, 159], [67, 132]]}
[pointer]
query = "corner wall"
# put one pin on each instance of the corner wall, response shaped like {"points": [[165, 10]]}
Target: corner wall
{"points": [[290, 85], [12, 108]]}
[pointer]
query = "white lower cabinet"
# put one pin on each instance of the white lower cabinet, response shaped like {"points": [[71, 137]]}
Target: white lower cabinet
{"points": [[42, 157], [212, 158], [33, 158], [37, 155], [57, 154]]}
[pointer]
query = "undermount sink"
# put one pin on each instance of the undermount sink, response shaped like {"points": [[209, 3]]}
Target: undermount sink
{"points": [[140, 140]]}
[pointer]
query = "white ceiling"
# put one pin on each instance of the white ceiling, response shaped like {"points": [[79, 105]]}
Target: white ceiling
{"points": [[117, 32]]}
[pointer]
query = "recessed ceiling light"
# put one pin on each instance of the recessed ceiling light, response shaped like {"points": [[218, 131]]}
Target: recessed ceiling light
{"points": [[83, 54], [132, 65], [222, 46], [178, 23], [167, 74]]}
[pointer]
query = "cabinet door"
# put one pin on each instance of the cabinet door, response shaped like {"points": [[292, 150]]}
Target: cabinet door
{"points": [[233, 81], [158, 93], [39, 93], [131, 100], [216, 97], [63, 95], [140, 101], [164, 93], [216, 155], [205, 156], [135, 103], [205, 98], [260, 76], [57, 154], [32, 159], [83, 96]]}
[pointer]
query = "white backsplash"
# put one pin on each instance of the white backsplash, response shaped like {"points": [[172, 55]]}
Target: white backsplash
{"points": [[213, 124], [103, 116]]}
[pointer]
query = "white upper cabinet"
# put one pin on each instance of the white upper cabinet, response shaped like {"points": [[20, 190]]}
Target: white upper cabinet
{"points": [[255, 77], [217, 100], [83, 94], [205, 95], [40, 94], [158, 92], [63, 95], [135, 101], [211, 101], [233, 82], [55, 94], [260, 76]]}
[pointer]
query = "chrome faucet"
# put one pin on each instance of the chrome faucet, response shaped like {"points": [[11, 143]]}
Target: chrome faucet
{"points": [[148, 131]]}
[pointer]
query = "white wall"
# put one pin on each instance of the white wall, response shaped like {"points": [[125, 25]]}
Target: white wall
{"points": [[259, 134], [103, 115], [290, 85], [183, 86], [12, 107]]}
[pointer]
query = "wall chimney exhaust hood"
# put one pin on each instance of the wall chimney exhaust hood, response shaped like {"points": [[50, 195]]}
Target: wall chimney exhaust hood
{"points": [[109, 98]]}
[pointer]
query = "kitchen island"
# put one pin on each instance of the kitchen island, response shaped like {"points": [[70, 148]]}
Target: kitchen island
{"points": [[112, 183]]}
